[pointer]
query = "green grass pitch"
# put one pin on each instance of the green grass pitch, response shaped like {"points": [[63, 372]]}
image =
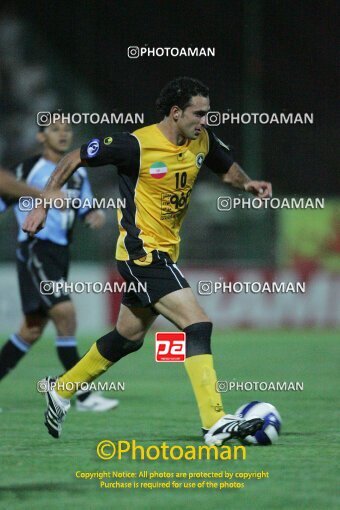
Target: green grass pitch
{"points": [[38, 472]]}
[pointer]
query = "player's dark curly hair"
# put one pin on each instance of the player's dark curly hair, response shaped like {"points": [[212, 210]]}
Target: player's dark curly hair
{"points": [[179, 92]]}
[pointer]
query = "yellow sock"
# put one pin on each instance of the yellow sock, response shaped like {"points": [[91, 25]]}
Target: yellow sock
{"points": [[86, 370], [202, 375]]}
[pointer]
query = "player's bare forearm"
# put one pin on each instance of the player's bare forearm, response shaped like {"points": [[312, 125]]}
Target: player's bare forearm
{"points": [[16, 189], [237, 178], [64, 169]]}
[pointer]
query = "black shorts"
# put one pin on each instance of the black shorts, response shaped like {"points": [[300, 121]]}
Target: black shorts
{"points": [[151, 277], [41, 261]]}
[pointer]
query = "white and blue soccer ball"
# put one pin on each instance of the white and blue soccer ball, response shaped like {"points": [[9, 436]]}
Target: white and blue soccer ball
{"points": [[270, 431]]}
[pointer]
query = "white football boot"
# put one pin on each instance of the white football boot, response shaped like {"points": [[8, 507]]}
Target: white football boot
{"points": [[230, 426], [57, 406]]}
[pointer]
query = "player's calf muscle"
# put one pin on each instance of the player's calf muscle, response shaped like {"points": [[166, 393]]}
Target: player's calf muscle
{"points": [[32, 328], [64, 317], [30, 334]]}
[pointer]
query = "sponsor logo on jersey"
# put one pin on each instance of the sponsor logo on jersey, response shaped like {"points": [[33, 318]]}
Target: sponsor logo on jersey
{"points": [[199, 159], [180, 201], [93, 148], [158, 170], [108, 140]]}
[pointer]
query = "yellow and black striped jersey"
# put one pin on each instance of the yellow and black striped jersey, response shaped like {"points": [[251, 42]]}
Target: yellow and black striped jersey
{"points": [[156, 178]]}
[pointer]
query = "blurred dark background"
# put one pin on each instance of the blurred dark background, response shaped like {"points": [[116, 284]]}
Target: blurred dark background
{"points": [[271, 56]]}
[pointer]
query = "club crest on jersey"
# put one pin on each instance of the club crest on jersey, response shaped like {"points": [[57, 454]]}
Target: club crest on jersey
{"points": [[93, 148], [199, 159], [158, 170]]}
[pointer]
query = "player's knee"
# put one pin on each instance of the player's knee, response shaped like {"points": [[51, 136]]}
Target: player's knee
{"points": [[132, 335], [198, 338], [114, 346], [130, 330]]}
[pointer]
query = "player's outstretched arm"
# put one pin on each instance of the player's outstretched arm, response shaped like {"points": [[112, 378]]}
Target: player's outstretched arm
{"points": [[13, 188], [237, 178], [16, 189], [65, 168]]}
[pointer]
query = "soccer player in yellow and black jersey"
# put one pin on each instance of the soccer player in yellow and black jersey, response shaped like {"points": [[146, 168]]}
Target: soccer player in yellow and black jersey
{"points": [[157, 167]]}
